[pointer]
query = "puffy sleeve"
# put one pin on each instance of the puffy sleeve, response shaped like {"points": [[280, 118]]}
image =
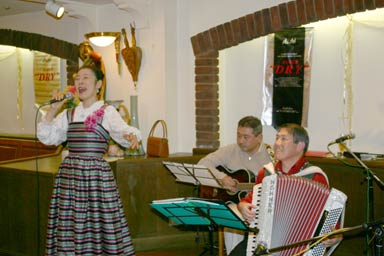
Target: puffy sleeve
{"points": [[117, 127], [55, 132]]}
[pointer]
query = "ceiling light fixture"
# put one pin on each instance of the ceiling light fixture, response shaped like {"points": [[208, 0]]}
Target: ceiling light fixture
{"points": [[54, 9], [102, 39]]}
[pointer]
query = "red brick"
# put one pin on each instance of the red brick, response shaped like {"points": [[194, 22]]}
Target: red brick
{"points": [[222, 37], [209, 127], [207, 135], [215, 37], [251, 26], [319, 10], [349, 6], [202, 87], [206, 95], [379, 3], [206, 78], [359, 5], [209, 104], [243, 27], [207, 70], [292, 14], [310, 11], [229, 36], [206, 61], [236, 30], [301, 13], [266, 16], [209, 112], [339, 8], [275, 18], [369, 4], [283, 13], [207, 119], [259, 24]]}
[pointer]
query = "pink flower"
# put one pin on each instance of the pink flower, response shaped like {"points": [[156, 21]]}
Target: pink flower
{"points": [[91, 120], [71, 89]]}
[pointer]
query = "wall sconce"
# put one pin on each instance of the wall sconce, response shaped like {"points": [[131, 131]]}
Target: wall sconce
{"points": [[102, 39], [54, 9]]}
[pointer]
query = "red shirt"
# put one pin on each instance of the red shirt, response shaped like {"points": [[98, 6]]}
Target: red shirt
{"points": [[297, 167]]}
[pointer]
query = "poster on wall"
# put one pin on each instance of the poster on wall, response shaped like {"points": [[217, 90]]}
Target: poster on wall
{"points": [[287, 73], [46, 75]]}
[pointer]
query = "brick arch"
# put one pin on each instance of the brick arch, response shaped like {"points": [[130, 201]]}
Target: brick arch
{"points": [[207, 44], [50, 45]]}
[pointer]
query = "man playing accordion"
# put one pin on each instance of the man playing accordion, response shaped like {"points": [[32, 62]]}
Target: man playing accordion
{"points": [[290, 145]]}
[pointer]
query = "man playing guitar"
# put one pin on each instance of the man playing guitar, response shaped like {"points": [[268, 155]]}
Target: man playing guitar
{"points": [[249, 154]]}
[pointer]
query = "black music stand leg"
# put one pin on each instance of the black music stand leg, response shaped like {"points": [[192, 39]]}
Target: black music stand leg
{"points": [[379, 233], [211, 246], [370, 211]]}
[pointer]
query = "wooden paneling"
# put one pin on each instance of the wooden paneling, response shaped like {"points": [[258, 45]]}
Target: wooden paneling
{"points": [[24, 199], [142, 181], [12, 148], [352, 182]]}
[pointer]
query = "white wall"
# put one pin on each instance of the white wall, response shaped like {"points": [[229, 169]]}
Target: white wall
{"points": [[241, 93], [166, 79]]}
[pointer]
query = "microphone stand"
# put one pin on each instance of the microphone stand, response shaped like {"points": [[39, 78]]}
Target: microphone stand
{"points": [[261, 250], [370, 176]]}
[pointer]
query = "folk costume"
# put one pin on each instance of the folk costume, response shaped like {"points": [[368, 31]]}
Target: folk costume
{"points": [[86, 215]]}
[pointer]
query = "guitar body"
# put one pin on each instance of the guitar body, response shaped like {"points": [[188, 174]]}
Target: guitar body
{"points": [[242, 176]]}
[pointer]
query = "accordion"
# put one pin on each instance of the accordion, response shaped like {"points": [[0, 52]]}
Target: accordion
{"points": [[291, 209]]}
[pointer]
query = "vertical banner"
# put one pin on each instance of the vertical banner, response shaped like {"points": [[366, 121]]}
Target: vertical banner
{"points": [[46, 75], [287, 77]]}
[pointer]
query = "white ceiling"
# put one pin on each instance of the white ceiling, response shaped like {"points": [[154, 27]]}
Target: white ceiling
{"points": [[12, 7]]}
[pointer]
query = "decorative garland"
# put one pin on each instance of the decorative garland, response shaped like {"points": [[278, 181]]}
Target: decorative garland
{"points": [[20, 91]]}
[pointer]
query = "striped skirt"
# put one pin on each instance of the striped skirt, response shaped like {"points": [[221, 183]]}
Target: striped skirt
{"points": [[86, 215]]}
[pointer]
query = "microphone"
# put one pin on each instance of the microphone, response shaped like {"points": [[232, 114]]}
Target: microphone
{"points": [[67, 96], [343, 138]]}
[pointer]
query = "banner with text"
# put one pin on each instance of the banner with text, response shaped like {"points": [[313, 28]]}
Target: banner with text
{"points": [[287, 77], [46, 73]]}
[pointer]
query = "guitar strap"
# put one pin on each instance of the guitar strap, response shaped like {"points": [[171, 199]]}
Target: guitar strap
{"points": [[310, 170]]}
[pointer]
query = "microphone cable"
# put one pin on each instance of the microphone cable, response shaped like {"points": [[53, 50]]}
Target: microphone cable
{"points": [[37, 182]]}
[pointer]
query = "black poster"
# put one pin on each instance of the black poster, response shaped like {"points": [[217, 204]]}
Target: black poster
{"points": [[288, 77]]}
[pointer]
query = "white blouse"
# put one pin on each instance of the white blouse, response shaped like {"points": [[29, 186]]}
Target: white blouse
{"points": [[55, 132]]}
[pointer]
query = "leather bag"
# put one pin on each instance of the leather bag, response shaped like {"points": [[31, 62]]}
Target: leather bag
{"points": [[158, 146]]}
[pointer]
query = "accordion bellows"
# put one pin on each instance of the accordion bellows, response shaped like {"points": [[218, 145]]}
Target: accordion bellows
{"points": [[292, 209]]}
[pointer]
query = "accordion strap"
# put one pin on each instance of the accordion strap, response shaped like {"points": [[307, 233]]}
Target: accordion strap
{"points": [[310, 170]]}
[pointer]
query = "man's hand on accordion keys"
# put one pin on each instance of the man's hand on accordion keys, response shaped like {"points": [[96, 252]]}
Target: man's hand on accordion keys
{"points": [[247, 210]]}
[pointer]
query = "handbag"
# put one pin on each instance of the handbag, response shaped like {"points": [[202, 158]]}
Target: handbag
{"points": [[158, 146]]}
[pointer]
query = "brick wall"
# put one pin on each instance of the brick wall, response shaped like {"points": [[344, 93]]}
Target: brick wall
{"points": [[207, 44]]}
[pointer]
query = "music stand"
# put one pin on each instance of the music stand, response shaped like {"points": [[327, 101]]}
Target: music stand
{"points": [[197, 175], [192, 174], [199, 212]]}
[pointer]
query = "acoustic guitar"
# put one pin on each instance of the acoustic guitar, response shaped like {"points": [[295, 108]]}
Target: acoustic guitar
{"points": [[245, 182]]}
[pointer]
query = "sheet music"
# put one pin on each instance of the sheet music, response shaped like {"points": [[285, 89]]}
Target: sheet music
{"points": [[193, 173]]}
